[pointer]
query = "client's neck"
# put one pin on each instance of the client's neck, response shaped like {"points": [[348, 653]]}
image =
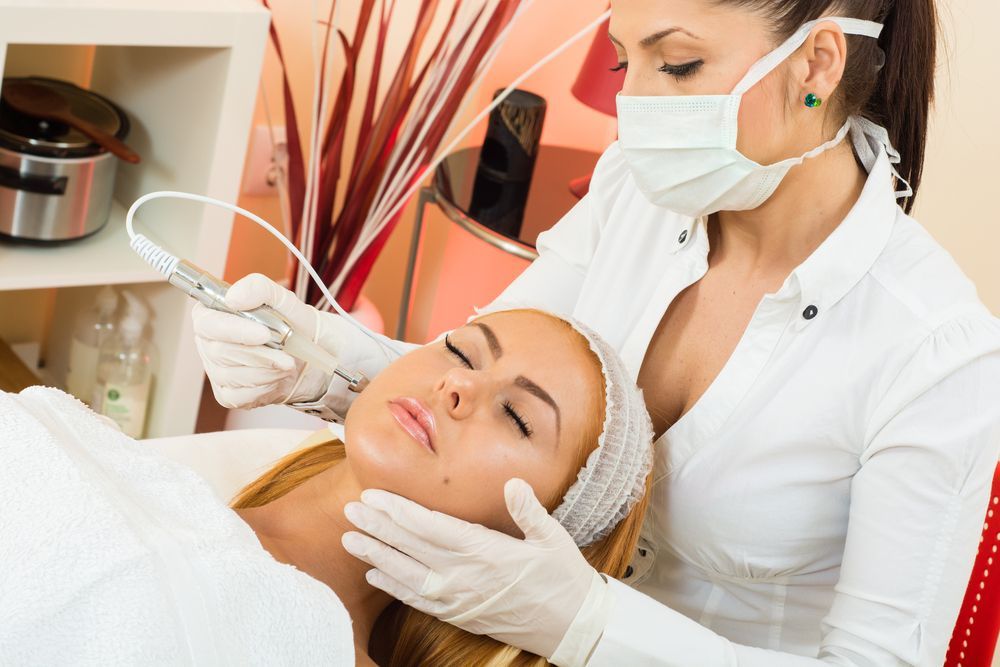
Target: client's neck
{"points": [[303, 528]]}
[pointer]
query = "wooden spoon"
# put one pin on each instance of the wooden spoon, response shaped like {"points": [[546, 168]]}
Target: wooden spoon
{"points": [[32, 99]]}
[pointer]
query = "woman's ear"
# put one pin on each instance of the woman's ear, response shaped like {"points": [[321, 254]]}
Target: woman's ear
{"points": [[824, 55]]}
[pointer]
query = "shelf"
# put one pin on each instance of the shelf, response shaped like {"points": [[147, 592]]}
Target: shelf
{"points": [[217, 23], [186, 73], [102, 259]]}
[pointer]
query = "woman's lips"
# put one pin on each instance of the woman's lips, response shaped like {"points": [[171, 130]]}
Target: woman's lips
{"points": [[416, 419]]}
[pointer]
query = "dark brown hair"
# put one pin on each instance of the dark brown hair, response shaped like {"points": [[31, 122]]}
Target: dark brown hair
{"points": [[890, 82]]}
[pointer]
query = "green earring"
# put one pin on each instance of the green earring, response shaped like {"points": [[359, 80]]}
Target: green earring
{"points": [[812, 101]]}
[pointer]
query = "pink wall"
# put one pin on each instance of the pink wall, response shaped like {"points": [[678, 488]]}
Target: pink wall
{"points": [[543, 27]]}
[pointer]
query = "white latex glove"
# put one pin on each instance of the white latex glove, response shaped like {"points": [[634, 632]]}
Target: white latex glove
{"points": [[525, 593], [243, 372]]}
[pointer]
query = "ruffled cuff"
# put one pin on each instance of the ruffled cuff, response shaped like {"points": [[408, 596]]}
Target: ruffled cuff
{"points": [[587, 626]]}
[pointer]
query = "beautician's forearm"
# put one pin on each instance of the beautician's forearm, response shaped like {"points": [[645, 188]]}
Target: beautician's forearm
{"points": [[642, 631]]}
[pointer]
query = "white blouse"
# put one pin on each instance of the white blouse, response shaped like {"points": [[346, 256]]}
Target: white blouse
{"points": [[822, 502]]}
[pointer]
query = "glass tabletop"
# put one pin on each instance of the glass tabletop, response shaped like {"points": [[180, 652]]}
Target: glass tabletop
{"points": [[549, 197]]}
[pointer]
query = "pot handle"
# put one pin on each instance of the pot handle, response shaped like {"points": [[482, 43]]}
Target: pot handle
{"points": [[43, 185]]}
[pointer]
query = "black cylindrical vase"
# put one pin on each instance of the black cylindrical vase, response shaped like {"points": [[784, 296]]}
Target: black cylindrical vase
{"points": [[507, 160]]}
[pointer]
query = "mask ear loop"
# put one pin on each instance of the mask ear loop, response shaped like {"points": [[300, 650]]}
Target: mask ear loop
{"points": [[867, 137], [765, 65]]}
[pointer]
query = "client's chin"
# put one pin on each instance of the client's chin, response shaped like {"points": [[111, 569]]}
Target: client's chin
{"points": [[383, 455]]}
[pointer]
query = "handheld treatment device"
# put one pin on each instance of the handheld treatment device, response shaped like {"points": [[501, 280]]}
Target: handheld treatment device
{"points": [[211, 291]]}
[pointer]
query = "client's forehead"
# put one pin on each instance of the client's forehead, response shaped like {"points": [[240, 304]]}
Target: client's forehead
{"points": [[524, 331], [513, 320]]}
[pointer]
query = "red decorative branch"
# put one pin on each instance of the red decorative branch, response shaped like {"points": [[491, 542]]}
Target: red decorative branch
{"points": [[385, 132]]}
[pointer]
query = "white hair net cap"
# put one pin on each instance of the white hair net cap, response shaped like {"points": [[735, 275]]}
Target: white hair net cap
{"points": [[614, 477]]}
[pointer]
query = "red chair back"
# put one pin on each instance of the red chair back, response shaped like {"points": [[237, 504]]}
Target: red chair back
{"points": [[975, 636]]}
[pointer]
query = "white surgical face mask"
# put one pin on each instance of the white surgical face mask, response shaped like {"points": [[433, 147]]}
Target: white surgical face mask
{"points": [[681, 149]]}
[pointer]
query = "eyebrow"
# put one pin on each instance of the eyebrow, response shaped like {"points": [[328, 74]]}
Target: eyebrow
{"points": [[538, 392], [491, 339], [649, 41]]}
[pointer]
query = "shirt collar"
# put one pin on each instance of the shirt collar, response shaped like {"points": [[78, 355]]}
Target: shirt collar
{"points": [[849, 252]]}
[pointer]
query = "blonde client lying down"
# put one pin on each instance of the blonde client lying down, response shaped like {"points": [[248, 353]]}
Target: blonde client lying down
{"points": [[111, 553]]}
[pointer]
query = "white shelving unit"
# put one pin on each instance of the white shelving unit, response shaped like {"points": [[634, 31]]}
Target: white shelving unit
{"points": [[186, 73]]}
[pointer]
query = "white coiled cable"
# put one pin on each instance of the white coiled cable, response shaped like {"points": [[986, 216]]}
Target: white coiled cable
{"points": [[166, 263], [155, 256]]}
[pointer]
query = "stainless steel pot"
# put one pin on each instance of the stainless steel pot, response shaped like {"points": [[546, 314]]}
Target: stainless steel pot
{"points": [[55, 183]]}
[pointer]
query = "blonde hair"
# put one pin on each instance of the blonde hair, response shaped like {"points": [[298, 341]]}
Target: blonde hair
{"points": [[404, 637]]}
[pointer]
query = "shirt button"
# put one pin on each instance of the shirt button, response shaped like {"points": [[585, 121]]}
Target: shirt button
{"points": [[810, 312], [683, 237]]}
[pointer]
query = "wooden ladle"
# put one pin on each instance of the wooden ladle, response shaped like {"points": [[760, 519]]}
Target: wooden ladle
{"points": [[38, 101]]}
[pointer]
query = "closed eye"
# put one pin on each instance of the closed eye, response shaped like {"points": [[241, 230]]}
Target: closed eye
{"points": [[519, 421], [681, 71], [457, 352], [677, 71]]}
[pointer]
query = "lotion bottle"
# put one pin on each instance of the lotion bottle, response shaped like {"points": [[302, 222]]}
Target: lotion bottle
{"points": [[125, 371], [92, 328]]}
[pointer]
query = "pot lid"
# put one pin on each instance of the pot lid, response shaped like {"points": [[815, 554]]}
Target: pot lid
{"points": [[36, 136]]}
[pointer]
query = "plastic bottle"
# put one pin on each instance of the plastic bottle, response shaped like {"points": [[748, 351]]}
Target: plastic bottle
{"points": [[92, 328], [125, 370]]}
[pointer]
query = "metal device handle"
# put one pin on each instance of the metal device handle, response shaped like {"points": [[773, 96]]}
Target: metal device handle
{"points": [[199, 284], [211, 291]]}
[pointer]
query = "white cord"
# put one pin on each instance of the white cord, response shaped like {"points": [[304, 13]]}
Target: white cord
{"points": [[312, 168], [165, 262]]}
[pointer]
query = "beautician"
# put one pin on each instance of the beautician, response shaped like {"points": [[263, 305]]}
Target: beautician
{"points": [[825, 381]]}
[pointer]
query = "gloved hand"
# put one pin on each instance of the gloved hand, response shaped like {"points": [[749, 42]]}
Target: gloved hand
{"points": [[244, 373], [525, 593]]}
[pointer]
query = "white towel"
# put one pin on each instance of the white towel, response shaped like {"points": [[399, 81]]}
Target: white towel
{"points": [[113, 555]]}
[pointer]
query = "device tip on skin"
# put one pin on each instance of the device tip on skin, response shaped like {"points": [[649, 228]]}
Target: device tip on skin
{"points": [[355, 383]]}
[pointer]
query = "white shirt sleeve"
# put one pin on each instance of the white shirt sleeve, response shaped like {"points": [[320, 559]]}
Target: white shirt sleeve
{"points": [[917, 507], [553, 281]]}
